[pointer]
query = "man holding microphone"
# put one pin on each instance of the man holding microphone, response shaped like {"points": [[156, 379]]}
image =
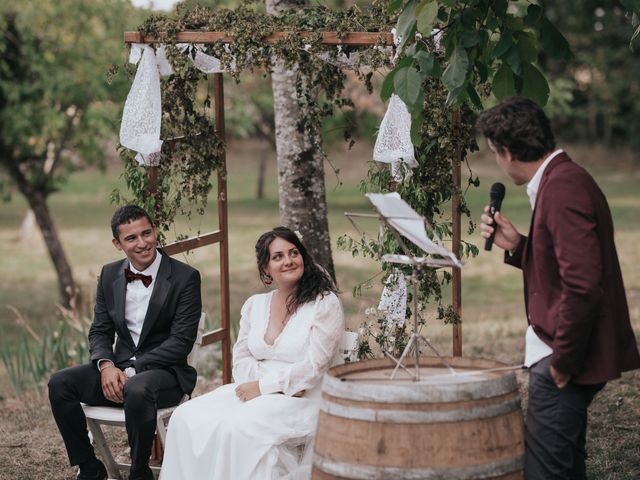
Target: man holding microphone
{"points": [[579, 334]]}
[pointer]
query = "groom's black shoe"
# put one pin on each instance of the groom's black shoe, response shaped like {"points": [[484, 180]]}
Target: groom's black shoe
{"points": [[92, 470], [142, 474]]}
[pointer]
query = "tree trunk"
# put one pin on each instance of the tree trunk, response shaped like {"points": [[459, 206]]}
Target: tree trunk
{"points": [[27, 228], [66, 285], [303, 204], [262, 168]]}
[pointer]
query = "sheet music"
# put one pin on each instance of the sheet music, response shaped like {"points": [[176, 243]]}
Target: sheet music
{"points": [[399, 215]]}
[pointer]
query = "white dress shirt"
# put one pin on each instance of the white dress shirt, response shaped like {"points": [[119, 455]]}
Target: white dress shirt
{"points": [[137, 299], [536, 349]]}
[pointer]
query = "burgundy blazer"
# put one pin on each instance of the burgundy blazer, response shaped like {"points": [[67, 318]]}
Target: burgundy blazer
{"points": [[574, 295]]}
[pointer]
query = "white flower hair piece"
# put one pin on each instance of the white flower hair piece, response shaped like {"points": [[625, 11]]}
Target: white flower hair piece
{"points": [[298, 234]]}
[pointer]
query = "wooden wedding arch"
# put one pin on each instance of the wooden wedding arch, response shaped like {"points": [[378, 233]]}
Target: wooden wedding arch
{"points": [[221, 235]]}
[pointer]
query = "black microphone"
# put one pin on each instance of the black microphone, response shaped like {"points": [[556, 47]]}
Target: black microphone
{"points": [[496, 195]]}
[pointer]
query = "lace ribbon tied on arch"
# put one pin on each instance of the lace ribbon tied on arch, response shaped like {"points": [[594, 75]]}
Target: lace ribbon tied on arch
{"points": [[393, 144], [142, 114]]}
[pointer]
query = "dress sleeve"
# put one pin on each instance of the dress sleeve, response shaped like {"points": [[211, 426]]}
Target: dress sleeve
{"points": [[245, 365], [327, 328]]}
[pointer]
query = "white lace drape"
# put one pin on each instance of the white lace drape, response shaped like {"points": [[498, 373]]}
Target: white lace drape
{"points": [[393, 301], [142, 114], [393, 144], [140, 127]]}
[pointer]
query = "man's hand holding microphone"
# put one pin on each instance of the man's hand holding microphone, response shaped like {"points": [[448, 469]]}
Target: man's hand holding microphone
{"points": [[495, 227]]}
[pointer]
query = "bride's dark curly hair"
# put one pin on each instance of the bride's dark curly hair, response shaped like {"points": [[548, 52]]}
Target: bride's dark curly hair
{"points": [[314, 281]]}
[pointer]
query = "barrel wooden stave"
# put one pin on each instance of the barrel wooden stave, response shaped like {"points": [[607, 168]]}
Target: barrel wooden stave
{"points": [[398, 437]]}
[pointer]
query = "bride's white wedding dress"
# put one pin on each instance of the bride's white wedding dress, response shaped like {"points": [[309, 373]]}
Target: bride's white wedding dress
{"points": [[218, 437]]}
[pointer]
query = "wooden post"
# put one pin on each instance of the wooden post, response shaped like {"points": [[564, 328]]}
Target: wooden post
{"points": [[152, 173], [225, 324], [456, 286], [154, 182]]}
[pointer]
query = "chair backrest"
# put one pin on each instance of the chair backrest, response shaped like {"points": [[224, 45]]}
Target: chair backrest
{"points": [[347, 349], [193, 355]]}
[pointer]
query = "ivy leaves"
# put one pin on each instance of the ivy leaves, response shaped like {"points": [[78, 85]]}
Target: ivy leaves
{"points": [[455, 74], [469, 44], [426, 13]]}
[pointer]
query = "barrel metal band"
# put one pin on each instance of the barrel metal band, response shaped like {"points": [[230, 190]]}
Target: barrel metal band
{"points": [[412, 416], [417, 393], [367, 472]]}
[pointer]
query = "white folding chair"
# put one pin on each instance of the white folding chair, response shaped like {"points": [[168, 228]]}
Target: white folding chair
{"points": [[97, 416], [347, 351]]}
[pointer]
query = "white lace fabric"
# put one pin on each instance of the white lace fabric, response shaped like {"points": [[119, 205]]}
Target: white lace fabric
{"points": [[393, 143], [141, 117], [393, 301], [142, 114]]}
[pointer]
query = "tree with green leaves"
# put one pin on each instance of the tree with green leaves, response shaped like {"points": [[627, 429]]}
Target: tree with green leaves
{"points": [[56, 107], [599, 103], [474, 47]]}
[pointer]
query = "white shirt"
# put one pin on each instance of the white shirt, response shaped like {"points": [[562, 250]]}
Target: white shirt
{"points": [[137, 299], [536, 349]]}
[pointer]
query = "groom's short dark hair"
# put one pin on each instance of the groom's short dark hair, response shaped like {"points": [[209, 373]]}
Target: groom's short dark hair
{"points": [[127, 214]]}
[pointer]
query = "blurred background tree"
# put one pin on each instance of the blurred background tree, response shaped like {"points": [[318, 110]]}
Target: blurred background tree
{"points": [[595, 93], [57, 110]]}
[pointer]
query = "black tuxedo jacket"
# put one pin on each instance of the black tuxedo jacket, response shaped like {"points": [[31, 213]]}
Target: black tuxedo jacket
{"points": [[170, 325]]}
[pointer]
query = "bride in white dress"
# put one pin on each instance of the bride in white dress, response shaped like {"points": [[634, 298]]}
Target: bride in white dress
{"points": [[257, 428]]}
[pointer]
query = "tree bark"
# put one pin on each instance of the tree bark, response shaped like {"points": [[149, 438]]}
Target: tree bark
{"points": [[66, 285], [262, 168], [301, 188], [37, 200], [27, 227]]}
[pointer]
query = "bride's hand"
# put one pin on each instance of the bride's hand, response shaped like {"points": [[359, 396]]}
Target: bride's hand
{"points": [[248, 391]]}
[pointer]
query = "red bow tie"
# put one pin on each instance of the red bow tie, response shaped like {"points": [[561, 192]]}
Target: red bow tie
{"points": [[130, 276]]}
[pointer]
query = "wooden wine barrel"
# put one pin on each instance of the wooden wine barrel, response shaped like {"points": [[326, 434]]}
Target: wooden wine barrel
{"points": [[457, 427]]}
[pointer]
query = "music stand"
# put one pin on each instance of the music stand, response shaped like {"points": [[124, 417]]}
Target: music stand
{"points": [[401, 219]]}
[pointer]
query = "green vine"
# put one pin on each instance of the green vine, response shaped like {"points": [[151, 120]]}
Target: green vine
{"points": [[187, 165], [428, 189]]}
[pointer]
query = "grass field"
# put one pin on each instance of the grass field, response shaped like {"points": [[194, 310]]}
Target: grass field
{"points": [[493, 312]]}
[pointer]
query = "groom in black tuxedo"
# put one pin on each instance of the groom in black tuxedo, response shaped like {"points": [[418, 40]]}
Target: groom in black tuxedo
{"points": [[152, 302]]}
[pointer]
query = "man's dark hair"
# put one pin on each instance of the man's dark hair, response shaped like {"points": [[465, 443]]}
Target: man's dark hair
{"points": [[520, 126], [127, 214]]}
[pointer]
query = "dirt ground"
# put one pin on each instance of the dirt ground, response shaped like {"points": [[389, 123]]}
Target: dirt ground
{"points": [[31, 448]]}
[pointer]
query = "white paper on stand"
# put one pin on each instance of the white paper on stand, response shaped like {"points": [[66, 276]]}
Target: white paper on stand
{"points": [[399, 215]]}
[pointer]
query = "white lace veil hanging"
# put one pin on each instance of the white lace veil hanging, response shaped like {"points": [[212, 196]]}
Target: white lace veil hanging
{"points": [[393, 143], [141, 117]]}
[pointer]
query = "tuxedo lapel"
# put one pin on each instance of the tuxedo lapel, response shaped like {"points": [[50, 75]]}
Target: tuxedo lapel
{"points": [[161, 289], [119, 295]]}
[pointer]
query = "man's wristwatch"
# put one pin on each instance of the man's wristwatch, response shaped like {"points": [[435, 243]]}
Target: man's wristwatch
{"points": [[130, 371]]}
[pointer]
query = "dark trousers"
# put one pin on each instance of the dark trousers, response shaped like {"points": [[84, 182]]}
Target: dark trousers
{"points": [[556, 427], [143, 394]]}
